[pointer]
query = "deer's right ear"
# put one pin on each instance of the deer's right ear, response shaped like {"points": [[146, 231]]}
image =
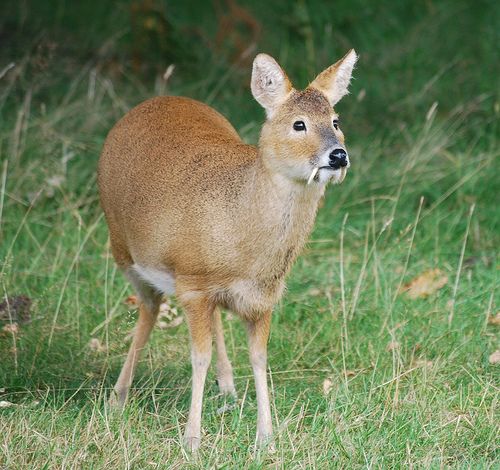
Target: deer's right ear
{"points": [[270, 85]]}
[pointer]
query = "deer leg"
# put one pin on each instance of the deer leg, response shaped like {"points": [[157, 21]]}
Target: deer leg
{"points": [[149, 304], [199, 313], [224, 370], [258, 334], [148, 313]]}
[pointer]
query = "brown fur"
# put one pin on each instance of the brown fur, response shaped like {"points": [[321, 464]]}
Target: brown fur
{"points": [[210, 202]]}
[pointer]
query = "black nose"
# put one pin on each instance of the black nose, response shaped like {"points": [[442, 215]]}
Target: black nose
{"points": [[338, 158]]}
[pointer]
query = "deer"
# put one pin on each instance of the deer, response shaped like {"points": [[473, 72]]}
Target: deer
{"points": [[195, 212]]}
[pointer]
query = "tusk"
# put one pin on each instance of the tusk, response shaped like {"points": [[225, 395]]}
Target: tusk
{"points": [[313, 174], [343, 172]]}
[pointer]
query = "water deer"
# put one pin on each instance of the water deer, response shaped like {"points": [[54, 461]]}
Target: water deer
{"points": [[194, 211]]}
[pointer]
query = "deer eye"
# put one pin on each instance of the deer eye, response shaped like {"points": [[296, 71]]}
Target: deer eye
{"points": [[336, 124], [299, 126]]}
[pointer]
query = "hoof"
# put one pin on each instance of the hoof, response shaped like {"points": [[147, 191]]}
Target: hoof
{"points": [[229, 391], [191, 444], [226, 386], [117, 400], [266, 443]]}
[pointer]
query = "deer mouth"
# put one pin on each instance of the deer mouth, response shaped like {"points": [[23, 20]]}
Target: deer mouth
{"points": [[314, 176]]}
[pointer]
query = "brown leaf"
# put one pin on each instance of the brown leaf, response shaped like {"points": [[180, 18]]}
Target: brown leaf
{"points": [[171, 324], [131, 300], [426, 284], [494, 319], [11, 328], [167, 311], [495, 357]]}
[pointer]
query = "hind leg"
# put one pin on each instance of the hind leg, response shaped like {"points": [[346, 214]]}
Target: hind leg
{"points": [[224, 370], [149, 303]]}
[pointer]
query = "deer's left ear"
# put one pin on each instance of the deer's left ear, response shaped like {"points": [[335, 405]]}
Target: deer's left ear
{"points": [[334, 81]]}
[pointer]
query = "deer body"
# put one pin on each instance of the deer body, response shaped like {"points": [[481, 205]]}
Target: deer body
{"points": [[209, 237], [192, 210]]}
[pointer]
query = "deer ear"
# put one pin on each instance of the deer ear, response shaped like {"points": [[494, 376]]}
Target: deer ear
{"points": [[334, 81], [270, 85]]}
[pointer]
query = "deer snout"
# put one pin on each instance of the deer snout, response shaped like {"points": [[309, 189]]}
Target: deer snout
{"points": [[338, 158]]}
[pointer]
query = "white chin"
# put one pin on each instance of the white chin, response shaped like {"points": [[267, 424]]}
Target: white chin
{"points": [[334, 176]]}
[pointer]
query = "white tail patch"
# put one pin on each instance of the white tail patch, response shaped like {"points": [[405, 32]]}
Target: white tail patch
{"points": [[162, 281]]}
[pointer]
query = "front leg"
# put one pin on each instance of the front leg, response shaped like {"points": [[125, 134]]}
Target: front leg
{"points": [[199, 313], [258, 334]]}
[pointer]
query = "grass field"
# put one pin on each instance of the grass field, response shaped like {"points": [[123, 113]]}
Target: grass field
{"points": [[362, 374]]}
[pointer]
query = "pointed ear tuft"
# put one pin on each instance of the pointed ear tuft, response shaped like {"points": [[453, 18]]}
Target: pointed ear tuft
{"points": [[334, 81], [270, 85]]}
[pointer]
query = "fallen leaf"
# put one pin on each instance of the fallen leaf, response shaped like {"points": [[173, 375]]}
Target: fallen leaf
{"points": [[327, 386], [6, 404], [391, 346], [426, 284], [494, 319], [168, 311], [164, 307], [131, 300], [96, 345], [495, 357], [11, 328], [171, 324]]}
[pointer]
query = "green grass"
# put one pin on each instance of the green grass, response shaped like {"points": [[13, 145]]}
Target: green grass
{"points": [[422, 193]]}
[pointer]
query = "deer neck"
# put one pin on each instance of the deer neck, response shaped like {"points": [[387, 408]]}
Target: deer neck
{"points": [[286, 209]]}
